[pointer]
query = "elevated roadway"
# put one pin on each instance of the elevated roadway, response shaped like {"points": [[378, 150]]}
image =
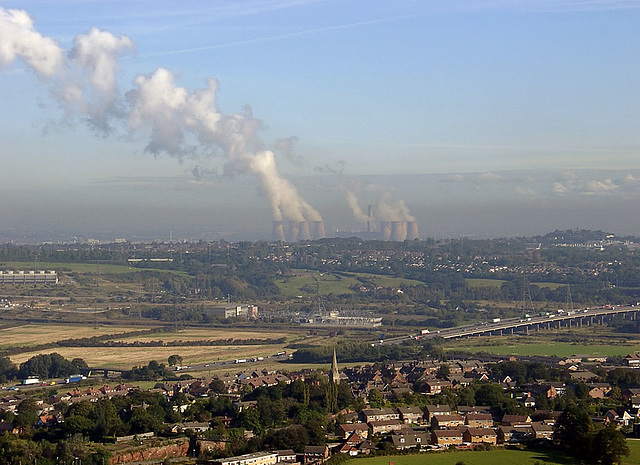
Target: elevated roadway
{"points": [[508, 326]]}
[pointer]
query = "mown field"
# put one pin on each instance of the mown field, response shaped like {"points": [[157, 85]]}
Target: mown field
{"points": [[193, 350], [494, 457], [34, 333], [634, 457], [210, 334], [126, 357]]}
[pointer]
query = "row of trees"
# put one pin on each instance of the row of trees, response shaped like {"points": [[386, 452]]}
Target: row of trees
{"points": [[359, 352], [42, 366]]}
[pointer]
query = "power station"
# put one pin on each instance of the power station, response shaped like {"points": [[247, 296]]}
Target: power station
{"points": [[296, 231]]}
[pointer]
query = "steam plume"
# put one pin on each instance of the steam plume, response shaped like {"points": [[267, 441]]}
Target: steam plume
{"points": [[177, 121], [386, 208], [353, 203]]}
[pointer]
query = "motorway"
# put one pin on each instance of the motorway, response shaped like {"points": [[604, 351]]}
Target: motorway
{"points": [[550, 320], [279, 357]]}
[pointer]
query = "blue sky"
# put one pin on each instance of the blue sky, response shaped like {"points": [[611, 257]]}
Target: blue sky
{"points": [[367, 88]]}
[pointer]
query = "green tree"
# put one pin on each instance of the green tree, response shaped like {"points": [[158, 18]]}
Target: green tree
{"points": [[375, 399], [331, 397], [443, 371], [609, 446], [490, 394], [27, 413], [174, 360], [574, 430]]}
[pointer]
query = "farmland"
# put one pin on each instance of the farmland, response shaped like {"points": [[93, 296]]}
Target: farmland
{"points": [[126, 357], [25, 335], [193, 343]]}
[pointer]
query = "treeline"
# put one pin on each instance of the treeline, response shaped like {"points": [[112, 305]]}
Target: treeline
{"points": [[368, 352], [42, 366]]}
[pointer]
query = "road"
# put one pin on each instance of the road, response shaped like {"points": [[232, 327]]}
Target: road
{"points": [[575, 317]]}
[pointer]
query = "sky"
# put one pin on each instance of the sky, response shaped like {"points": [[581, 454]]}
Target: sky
{"points": [[484, 118]]}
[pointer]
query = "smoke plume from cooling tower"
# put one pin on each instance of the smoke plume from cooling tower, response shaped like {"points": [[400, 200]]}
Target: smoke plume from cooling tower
{"points": [[396, 223], [385, 209], [177, 121]]}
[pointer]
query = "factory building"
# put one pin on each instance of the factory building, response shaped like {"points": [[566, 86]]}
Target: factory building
{"points": [[29, 277], [233, 311]]}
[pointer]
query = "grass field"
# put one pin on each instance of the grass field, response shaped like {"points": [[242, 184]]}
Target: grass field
{"points": [[307, 283], [479, 282], [483, 282], [210, 334], [81, 267], [494, 457], [634, 457], [548, 285], [549, 348], [500, 456]]}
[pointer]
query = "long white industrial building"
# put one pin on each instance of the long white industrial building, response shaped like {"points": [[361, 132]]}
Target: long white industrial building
{"points": [[29, 277]]}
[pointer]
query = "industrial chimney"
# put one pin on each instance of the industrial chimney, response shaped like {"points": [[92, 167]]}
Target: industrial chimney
{"points": [[398, 230], [317, 230], [303, 231], [412, 230], [278, 231], [385, 230], [293, 231]]}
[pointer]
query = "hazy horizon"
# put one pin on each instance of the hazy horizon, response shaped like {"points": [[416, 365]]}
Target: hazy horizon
{"points": [[474, 205]]}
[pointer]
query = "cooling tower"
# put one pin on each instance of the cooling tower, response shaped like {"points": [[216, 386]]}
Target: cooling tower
{"points": [[317, 230], [293, 231], [412, 230], [385, 230], [278, 231], [398, 230], [303, 231]]}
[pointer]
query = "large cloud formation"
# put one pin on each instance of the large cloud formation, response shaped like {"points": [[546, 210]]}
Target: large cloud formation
{"points": [[177, 121]]}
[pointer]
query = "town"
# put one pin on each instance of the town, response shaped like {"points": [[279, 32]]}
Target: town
{"points": [[321, 351]]}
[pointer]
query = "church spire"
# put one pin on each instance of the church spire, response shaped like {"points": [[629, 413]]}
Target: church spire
{"points": [[334, 376]]}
